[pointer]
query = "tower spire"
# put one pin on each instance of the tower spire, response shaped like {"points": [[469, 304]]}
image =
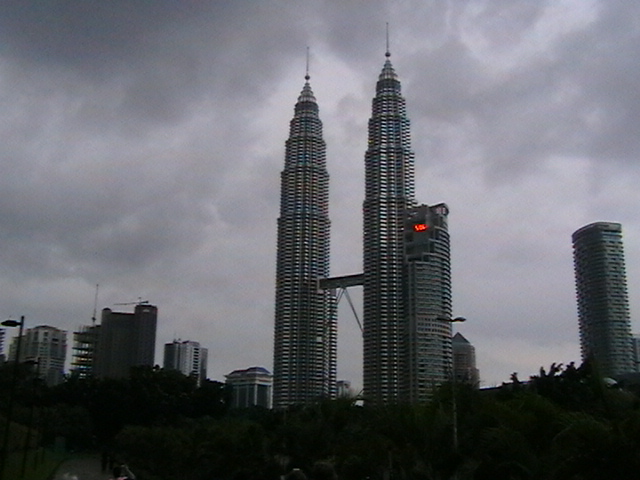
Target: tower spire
{"points": [[305, 333], [389, 193], [388, 52]]}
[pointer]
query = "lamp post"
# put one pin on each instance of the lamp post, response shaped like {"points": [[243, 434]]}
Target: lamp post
{"points": [[27, 442], [14, 380], [454, 403]]}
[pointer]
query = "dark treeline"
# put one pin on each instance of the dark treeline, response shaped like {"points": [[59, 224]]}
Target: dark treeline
{"points": [[564, 423]]}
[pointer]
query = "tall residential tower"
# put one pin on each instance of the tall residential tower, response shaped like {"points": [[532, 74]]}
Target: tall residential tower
{"points": [[47, 346], [389, 193], [305, 339], [603, 305]]}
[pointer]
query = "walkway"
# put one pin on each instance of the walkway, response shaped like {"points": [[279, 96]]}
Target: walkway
{"points": [[81, 468]]}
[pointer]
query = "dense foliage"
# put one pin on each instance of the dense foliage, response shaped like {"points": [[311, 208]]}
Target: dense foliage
{"points": [[561, 424]]}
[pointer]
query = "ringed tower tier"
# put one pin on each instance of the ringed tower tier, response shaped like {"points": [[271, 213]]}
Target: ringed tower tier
{"points": [[305, 337], [389, 193]]}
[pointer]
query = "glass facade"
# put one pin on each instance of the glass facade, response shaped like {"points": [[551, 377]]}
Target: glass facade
{"points": [[603, 305], [389, 192], [305, 339], [427, 335]]}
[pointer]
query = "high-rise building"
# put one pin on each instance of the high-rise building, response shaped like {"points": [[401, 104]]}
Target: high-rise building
{"points": [[2, 355], [464, 361], [305, 342], [603, 304], [126, 340], [46, 346], [343, 388], [636, 352], [187, 357], [250, 387], [427, 334], [389, 193], [85, 342]]}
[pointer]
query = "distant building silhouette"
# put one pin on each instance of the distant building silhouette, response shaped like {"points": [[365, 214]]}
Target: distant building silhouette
{"points": [[636, 353], [305, 336], [187, 357], [344, 388], [126, 340], [47, 346], [2, 354], [85, 343], [464, 361], [250, 387], [603, 305]]}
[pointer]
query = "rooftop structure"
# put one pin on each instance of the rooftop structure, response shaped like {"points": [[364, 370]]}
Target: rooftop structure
{"points": [[250, 387]]}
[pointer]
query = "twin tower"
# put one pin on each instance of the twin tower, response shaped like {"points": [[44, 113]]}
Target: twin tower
{"points": [[406, 275]]}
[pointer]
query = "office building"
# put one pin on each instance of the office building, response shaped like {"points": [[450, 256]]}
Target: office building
{"points": [[343, 388], [187, 357], [85, 342], [2, 355], [45, 346], [389, 193], [464, 361], [305, 344], [636, 353], [250, 387], [601, 291], [126, 340], [427, 335]]}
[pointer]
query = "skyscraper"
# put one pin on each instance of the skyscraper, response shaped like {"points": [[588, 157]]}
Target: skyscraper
{"points": [[2, 355], [48, 347], [389, 193], [188, 357], [464, 361], [126, 340], [603, 305], [305, 317], [427, 329]]}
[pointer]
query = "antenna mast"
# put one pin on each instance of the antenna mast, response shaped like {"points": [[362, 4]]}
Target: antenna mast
{"points": [[388, 52], [95, 306], [307, 77]]}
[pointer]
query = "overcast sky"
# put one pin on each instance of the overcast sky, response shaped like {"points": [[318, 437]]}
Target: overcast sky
{"points": [[141, 145]]}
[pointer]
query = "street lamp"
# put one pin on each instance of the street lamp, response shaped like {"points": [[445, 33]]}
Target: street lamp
{"points": [[454, 405], [27, 442], [14, 380]]}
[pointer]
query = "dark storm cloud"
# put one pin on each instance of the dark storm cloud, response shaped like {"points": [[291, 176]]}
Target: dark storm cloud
{"points": [[150, 60], [576, 96], [104, 92], [91, 36]]}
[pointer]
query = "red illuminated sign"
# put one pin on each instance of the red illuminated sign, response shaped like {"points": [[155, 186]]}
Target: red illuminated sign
{"points": [[420, 227]]}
